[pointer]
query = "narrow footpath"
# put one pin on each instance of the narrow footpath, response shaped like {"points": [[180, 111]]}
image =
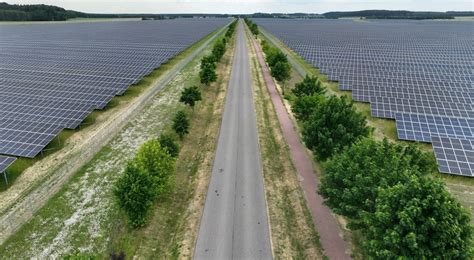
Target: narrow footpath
{"points": [[330, 234], [234, 223]]}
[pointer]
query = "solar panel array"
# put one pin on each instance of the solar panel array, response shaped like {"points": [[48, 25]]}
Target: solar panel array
{"points": [[419, 73], [52, 76], [5, 162]]}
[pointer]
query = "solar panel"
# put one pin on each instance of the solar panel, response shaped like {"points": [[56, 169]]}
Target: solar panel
{"points": [[419, 73], [5, 162], [454, 155], [419, 127], [52, 76]]}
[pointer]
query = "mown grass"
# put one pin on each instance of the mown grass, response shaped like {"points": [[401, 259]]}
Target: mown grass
{"points": [[21, 164]]}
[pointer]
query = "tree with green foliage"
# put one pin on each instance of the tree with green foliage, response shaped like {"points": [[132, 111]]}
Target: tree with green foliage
{"points": [[281, 71], [274, 56], [304, 106], [168, 142], [208, 74], [190, 96], [353, 177], [135, 194], [218, 50], [333, 125], [308, 87], [418, 219], [265, 46], [158, 163], [208, 60], [181, 124]]}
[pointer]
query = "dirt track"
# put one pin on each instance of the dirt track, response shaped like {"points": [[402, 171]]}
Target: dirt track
{"points": [[330, 234]]}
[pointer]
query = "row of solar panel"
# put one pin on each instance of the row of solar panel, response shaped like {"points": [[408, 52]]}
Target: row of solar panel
{"points": [[413, 72], [51, 79]]}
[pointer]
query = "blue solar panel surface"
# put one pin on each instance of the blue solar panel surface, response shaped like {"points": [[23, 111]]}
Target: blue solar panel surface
{"points": [[5, 162], [419, 73], [52, 76]]}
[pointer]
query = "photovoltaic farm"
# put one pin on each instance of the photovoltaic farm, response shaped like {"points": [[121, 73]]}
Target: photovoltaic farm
{"points": [[419, 73], [52, 76]]}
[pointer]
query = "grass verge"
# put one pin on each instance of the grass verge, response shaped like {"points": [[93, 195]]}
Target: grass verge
{"points": [[292, 230]]}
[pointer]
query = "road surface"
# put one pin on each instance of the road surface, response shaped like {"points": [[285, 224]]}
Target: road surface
{"points": [[234, 223]]}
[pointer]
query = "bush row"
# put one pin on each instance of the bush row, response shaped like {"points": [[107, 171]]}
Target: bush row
{"points": [[277, 62], [385, 190], [149, 176], [208, 73], [252, 26]]}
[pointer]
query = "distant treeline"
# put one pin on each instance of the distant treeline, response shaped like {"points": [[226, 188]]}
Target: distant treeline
{"points": [[10, 12], [35, 13], [385, 14], [368, 14]]}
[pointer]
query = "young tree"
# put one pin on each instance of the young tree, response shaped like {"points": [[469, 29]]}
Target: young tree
{"points": [[158, 163], [181, 124], [135, 194], [418, 219], [208, 60], [308, 87], [333, 125], [353, 177], [218, 50], [304, 106], [281, 72], [274, 56], [208, 74], [168, 143], [190, 96]]}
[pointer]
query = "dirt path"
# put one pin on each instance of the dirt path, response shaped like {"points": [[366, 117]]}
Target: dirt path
{"points": [[330, 234]]}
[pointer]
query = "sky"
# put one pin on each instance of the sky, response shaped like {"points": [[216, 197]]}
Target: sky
{"points": [[250, 6]]}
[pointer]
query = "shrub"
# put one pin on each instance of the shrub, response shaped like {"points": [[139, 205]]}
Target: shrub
{"points": [[333, 125], [208, 60], [219, 50], [208, 74], [190, 96], [168, 143], [181, 124]]}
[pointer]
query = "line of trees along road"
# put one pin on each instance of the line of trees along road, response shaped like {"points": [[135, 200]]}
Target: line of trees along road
{"points": [[387, 191], [208, 73], [149, 176]]}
